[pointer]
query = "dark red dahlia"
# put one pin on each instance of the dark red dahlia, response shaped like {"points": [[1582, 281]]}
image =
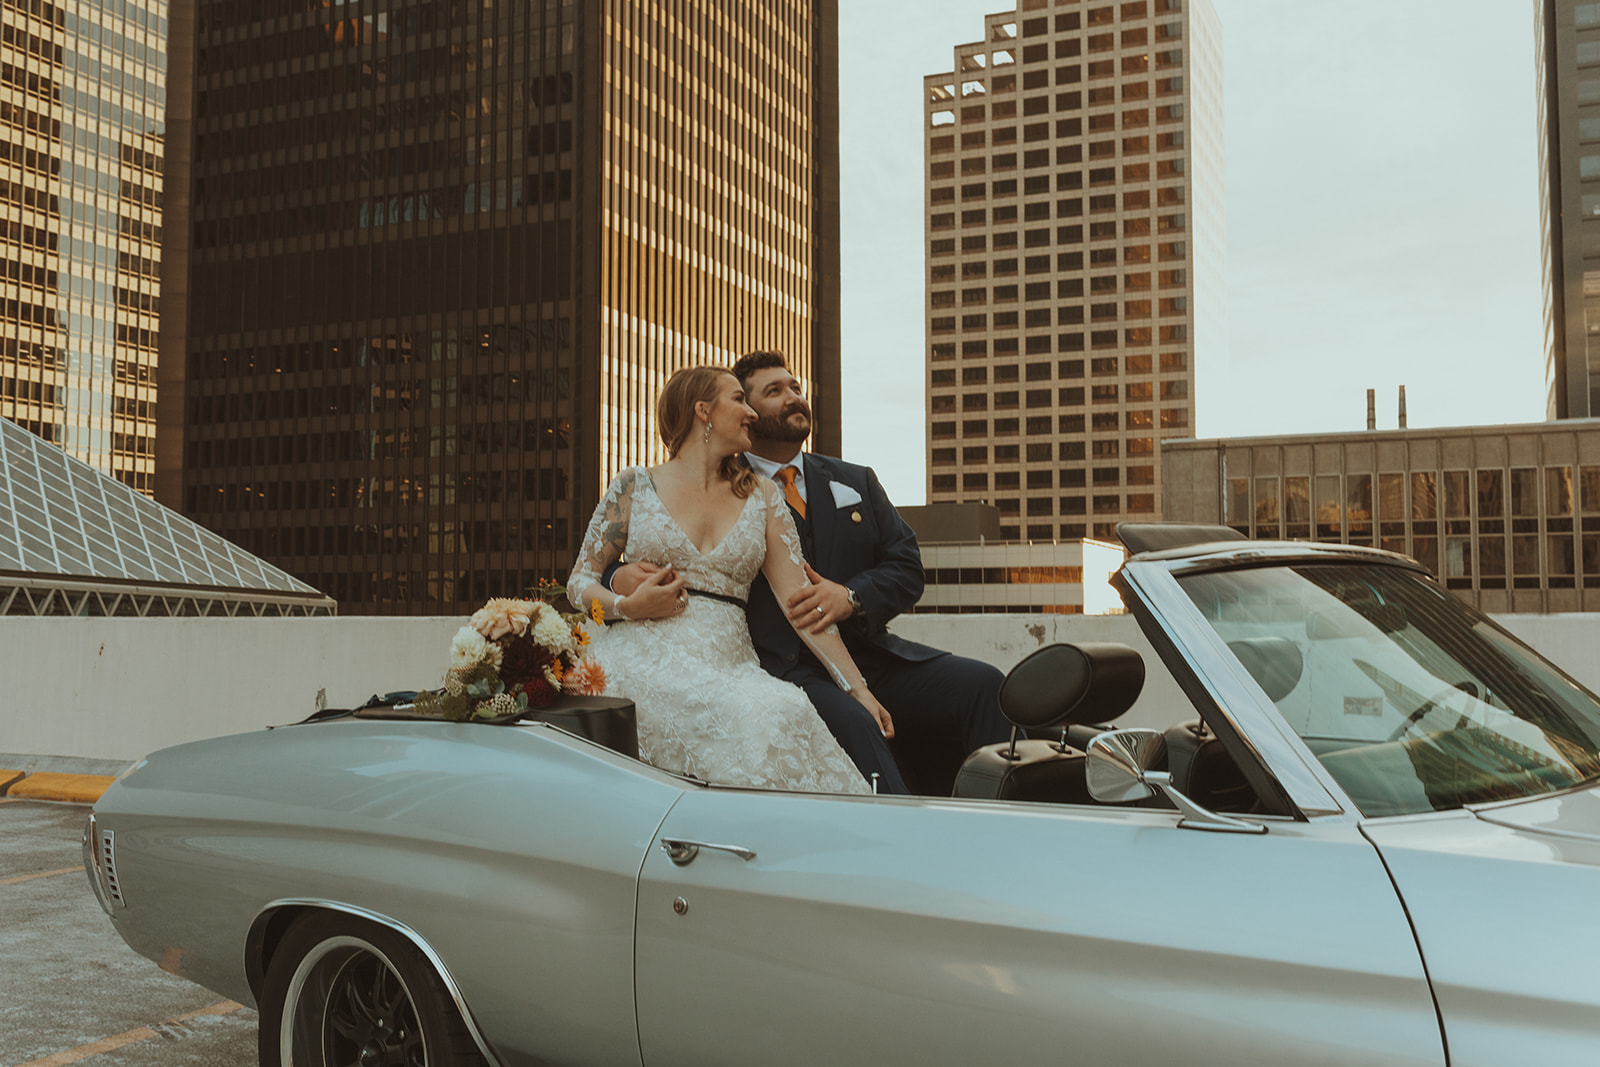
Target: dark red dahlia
{"points": [[541, 694], [522, 661]]}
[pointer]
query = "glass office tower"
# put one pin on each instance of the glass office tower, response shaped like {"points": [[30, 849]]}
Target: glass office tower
{"points": [[444, 254], [1567, 49], [82, 100], [1075, 251]]}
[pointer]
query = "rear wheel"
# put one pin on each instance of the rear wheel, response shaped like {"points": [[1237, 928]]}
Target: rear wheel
{"points": [[344, 992]]}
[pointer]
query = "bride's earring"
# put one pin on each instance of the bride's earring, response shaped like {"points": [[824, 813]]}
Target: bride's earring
{"points": [[707, 436]]}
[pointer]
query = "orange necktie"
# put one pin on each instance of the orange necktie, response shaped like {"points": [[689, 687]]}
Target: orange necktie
{"points": [[787, 475]]}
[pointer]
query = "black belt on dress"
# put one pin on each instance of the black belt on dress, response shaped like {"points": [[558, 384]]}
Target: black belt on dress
{"points": [[735, 601]]}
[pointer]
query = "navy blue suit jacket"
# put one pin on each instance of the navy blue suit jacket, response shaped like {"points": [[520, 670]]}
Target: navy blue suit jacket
{"points": [[876, 556]]}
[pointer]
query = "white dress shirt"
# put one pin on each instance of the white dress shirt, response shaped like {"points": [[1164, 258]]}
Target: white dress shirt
{"points": [[768, 469]]}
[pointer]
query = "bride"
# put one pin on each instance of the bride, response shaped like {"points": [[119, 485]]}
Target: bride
{"points": [[681, 649]]}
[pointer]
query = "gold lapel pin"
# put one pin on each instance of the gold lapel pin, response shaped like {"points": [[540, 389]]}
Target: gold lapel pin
{"points": [[855, 516]]}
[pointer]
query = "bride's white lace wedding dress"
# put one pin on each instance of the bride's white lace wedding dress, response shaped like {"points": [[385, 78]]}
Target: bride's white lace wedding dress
{"points": [[705, 706]]}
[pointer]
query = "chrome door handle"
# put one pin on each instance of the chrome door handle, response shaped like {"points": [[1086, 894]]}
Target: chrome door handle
{"points": [[683, 852]]}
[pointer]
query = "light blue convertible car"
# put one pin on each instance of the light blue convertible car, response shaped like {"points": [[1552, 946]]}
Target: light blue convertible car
{"points": [[1370, 836]]}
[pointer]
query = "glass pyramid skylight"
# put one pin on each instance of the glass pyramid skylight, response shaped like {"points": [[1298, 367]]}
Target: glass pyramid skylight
{"points": [[62, 519]]}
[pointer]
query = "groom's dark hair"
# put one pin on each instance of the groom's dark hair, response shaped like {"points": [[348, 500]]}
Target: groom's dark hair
{"points": [[751, 362]]}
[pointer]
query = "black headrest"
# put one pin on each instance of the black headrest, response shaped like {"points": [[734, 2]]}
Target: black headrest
{"points": [[1139, 537], [1274, 662], [1072, 685]]}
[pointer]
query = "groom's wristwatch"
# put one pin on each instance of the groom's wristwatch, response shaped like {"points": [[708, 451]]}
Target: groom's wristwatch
{"points": [[855, 601]]}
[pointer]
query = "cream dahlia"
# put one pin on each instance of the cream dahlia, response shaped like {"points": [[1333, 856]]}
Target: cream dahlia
{"points": [[468, 649], [502, 616], [551, 630]]}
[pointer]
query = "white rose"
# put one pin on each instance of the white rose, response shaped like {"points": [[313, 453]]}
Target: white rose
{"points": [[468, 649], [551, 630]]}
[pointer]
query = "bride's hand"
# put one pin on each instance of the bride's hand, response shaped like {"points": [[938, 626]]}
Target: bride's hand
{"points": [[661, 595], [875, 709]]}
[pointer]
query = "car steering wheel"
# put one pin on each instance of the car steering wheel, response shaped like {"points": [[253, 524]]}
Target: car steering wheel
{"points": [[1429, 705]]}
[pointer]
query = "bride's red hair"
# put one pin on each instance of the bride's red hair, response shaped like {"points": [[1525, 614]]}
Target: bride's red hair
{"points": [[676, 420]]}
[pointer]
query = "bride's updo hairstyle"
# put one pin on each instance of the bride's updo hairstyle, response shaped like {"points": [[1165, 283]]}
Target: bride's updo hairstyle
{"points": [[675, 418]]}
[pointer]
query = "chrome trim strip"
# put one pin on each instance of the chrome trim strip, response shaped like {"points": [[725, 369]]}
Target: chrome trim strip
{"points": [[1230, 554], [1235, 693], [91, 864], [410, 935]]}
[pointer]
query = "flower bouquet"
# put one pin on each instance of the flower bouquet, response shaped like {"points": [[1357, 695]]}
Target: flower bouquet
{"points": [[513, 655]]}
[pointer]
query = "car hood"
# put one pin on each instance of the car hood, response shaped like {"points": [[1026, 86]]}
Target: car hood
{"points": [[1573, 813]]}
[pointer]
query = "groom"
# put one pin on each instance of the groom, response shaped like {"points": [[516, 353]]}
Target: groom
{"points": [[863, 561]]}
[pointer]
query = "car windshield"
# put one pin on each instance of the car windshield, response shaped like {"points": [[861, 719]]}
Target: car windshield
{"points": [[1412, 700]]}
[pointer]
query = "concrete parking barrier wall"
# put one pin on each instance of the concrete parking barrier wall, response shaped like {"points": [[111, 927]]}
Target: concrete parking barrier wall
{"points": [[115, 689], [77, 689]]}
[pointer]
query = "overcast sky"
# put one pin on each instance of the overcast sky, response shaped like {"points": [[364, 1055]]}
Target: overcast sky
{"points": [[1383, 224]]}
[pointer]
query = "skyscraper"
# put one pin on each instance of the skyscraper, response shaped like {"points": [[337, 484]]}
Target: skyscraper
{"points": [[1567, 48], [445, 254], [1075, 229], [82, 100]]}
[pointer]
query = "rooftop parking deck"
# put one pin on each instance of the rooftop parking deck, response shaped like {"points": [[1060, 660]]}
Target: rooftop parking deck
{"points": [[70, 990]]}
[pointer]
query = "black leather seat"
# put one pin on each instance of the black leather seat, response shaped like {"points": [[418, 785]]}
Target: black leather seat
{"points": [[1203, 770], [1059, 686]]}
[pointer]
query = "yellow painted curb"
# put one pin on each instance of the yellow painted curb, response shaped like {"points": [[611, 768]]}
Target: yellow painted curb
{"points": [[9, 779], [78, 788]]}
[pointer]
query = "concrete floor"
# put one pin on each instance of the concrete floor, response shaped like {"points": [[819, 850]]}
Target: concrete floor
{"points": [[70, 990]]}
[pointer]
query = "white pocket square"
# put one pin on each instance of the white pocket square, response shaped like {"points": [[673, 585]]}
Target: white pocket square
{"points": [[843, 495]]}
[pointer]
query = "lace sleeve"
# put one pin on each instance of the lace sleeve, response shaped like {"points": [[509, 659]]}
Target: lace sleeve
{"points": [[603, 544], [785, 570]]}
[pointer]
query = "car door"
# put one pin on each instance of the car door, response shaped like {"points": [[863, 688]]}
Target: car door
{"points": [[897, 930]]}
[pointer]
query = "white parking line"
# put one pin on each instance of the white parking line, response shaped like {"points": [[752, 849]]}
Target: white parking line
{"points": [[143, 1033]]}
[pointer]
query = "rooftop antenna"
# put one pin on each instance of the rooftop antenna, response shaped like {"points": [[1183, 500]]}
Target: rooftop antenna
{"points": [[1402, 407], [1372, 409]]}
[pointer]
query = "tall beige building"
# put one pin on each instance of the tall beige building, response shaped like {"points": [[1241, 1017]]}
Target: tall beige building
{"points": [[1075, 229], [82, 125], [1568, 55]]}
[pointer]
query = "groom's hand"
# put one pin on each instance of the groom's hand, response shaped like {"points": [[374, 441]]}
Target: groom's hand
{"points": [[661, 595], [817, 606], [626, 578], [878, 712]]}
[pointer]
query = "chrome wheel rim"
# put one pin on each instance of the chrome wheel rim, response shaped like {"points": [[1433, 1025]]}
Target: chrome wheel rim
{"points": [[347, 1006]]}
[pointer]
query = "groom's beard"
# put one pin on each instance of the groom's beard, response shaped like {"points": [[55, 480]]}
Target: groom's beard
{"points": [[780, 428]]}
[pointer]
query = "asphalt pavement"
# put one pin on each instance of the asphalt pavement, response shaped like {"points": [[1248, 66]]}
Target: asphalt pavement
{"points": [[70, 990]]}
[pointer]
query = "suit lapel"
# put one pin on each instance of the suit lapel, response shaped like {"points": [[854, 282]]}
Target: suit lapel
{"points": [[821, 513]]}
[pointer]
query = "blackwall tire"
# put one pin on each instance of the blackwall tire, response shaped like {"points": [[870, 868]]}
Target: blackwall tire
{"points": [[343, 991]]}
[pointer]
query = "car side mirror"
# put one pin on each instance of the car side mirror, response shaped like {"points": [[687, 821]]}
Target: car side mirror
{"points": [[1117, 771], [1117, 765]]}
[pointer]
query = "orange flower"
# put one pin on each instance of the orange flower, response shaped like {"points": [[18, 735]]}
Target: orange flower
{"points": [[597, 613], [585, 678]]}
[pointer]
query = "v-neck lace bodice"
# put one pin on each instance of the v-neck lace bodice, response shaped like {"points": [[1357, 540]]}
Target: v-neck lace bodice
{"points": [[705, 707], [654, 504], [654, 536]]}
